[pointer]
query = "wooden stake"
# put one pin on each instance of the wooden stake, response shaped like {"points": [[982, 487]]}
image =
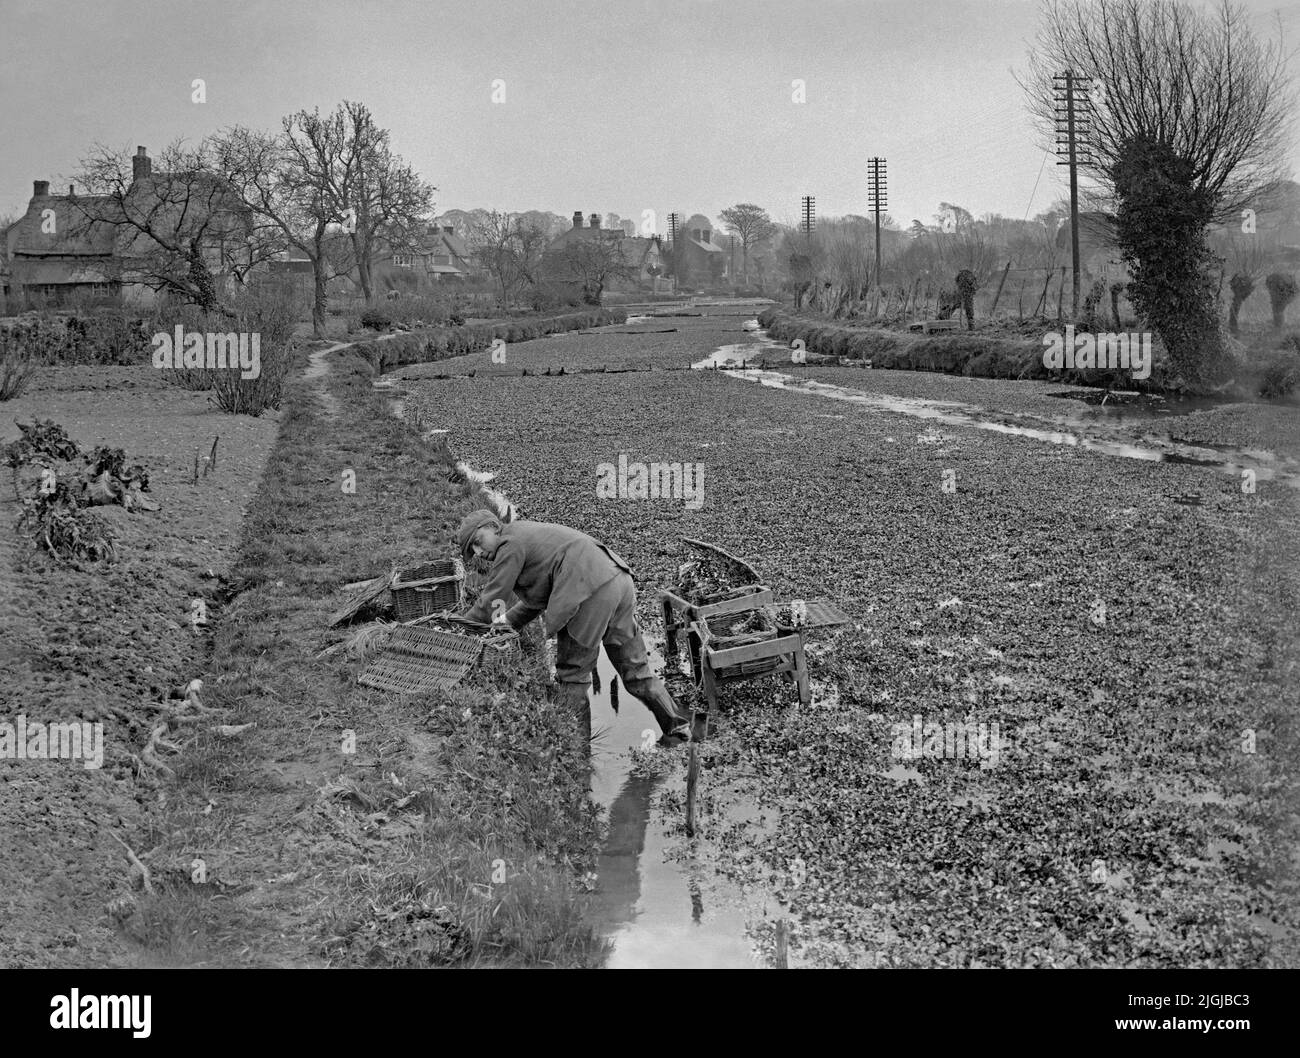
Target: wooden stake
{"points": [[1041, 307], [196, 465], [213, 458], [782, 944], [999, 293], [692, 781]]}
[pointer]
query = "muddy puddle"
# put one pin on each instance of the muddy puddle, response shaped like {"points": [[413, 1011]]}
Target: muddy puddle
{"points": [[658, 904], [1224, 459], [1094, 405]]}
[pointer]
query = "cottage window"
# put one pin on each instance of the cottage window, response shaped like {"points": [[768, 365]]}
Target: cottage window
{"points": [[402, 260]]}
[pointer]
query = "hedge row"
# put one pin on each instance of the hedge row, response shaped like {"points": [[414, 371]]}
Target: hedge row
{"points": [[442, 343], [963, 353]]}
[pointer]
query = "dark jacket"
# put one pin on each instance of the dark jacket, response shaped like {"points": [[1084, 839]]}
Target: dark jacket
{"points": [[551, 568]]}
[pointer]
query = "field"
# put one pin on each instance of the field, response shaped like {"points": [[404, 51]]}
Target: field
{"points": [[107, 646], [1122, 622], [1117, 631]]}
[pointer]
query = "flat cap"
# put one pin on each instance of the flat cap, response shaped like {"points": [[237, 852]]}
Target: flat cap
{"points": [[472, 523]]}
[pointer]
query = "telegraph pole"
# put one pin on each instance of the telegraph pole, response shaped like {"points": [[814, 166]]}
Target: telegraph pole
{"points": [[877, 196], [1072, 126], [673, 218], [809, 216]]}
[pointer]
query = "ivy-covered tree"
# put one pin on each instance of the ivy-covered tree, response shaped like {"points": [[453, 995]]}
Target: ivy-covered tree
{"points": [[967, 284], [1281, 292]]}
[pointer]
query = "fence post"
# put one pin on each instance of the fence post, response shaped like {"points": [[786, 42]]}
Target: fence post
{"points": [[999, 293], [692, 782]]}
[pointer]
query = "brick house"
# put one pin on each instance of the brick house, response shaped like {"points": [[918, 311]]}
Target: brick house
{"points": [[643, 255], [701, 259], [437, 254]]}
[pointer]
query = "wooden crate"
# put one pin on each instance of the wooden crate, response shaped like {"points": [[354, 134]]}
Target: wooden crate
{"points": [[784, 654]]}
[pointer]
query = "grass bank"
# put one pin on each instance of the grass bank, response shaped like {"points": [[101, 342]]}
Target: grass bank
{"points": [[351, 827], [442, 343], [1267, 373]]}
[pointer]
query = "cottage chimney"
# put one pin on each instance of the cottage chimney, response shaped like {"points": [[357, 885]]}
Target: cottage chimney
{"points": [[71, 191], [40, 188], [141, 165], [577, 218], [594, 220]]}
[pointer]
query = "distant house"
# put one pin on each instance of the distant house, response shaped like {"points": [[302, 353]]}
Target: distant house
{"points": [[55, 251], [46, 259], [437, 253], [702, 258], [643, 255], [295, 267]]}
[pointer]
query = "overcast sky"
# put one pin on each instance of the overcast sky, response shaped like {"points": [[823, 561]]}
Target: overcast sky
{"points": [[610, 106]]}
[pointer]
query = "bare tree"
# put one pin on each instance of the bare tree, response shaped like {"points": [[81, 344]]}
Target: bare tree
{"points": [[752, 224], [179, 229], [1174, 74], [510, 247], [299, 180], [386, 201], [1189, 127], [593, 263]]}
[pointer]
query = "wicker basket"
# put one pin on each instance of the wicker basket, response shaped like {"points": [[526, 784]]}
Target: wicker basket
{"points": [[418, 660], [501, 652], [718, 634], [428, 589]]}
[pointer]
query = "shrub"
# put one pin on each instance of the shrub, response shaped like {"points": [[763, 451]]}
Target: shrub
{"points": [[419, 310], [268, 312], [1280, 374], [376, 320], [17, 366], [107, 336]]}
